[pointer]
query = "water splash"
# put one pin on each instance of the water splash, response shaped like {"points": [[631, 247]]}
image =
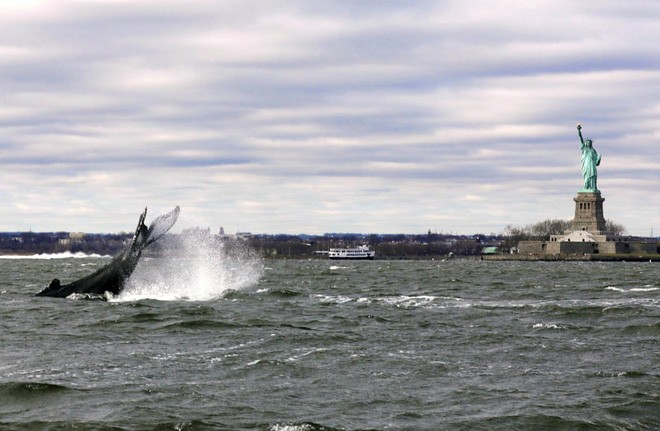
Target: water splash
{"points": [[195, 267]]}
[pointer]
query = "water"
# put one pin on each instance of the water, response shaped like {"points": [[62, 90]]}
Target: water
{"points": [[246, 344]]}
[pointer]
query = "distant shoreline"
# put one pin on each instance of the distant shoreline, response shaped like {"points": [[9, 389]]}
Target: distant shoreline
{"points": [[495, 257], [581, 257]]}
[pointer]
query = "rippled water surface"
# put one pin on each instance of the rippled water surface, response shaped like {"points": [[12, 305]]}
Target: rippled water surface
{"points": [[246, 344]]}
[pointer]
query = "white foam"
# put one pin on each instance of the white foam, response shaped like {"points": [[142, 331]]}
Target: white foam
{"points": [[297, 357], [48, 256], [332, 299], [633, 289], [90, 296], [302, 427], [402, 301], [406, 301], [616, 289], [547, 326]]}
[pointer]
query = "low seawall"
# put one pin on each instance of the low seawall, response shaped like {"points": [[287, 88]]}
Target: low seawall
{"points": [[576, 257]]}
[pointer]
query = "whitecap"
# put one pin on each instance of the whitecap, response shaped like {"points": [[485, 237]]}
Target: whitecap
{"points": [[297, 357], [332, 299], [647, 288], [301, 427], [90, 296], [49, 256], [616, 289], [547, 326], [408, 301]]}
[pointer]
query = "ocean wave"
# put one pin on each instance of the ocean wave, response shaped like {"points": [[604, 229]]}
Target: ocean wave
{"points": [[547, 326], [324, 299], [284, 293], [531, 421], [49, 256], [107, 296], [400, 301], [201, 324], [29, 389], [571, 306], [304, 426], [406, 301], [633, 289], [630, 374]]}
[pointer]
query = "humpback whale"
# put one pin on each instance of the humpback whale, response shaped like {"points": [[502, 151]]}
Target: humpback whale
{"points": [[111, 278]]}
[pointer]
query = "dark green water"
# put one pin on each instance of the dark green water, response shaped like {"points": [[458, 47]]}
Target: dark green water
{"points": [[246, 344]]}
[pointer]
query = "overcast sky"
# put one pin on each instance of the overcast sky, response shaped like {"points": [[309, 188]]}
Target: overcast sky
{"points": [[326, 116]]}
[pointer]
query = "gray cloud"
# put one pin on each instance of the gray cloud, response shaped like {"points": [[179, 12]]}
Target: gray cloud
{"points": [[325, 116]]}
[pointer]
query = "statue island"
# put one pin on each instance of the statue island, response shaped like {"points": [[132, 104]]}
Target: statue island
{"points": [[588, 235]]}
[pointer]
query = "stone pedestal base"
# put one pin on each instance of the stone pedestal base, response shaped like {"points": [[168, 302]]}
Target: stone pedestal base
{"points": [[588, 235], [589, 212]]}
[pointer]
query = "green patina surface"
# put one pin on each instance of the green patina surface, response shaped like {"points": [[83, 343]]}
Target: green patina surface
{"points": [[590, 159]]}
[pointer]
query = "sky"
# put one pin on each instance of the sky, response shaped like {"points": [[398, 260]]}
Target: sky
{"points": [[326, 116]]}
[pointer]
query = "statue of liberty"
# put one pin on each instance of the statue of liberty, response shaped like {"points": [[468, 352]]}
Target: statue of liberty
{"points": [[590, 159]]}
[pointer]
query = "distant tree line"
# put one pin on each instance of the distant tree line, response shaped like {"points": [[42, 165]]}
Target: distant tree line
{"points": [[394, 246], [59, 242], [387, 246]]}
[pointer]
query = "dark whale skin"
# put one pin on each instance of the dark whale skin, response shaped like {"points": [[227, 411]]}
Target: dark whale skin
{"points": [[112, 277]]}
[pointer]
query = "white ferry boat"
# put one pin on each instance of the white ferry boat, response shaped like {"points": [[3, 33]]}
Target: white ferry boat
{"points": [[361, 252]]}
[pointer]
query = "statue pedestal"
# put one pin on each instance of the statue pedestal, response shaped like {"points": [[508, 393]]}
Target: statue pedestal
{"points": [[589, 212], [588, 235]]}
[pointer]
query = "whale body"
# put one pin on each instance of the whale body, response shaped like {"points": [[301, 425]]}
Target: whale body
{"points": [[112, 277]]}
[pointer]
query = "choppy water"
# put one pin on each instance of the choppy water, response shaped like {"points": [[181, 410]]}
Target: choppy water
{"points": [[316, 345]]}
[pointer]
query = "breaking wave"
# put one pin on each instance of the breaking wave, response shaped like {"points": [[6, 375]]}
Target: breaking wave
{"points": [[633, 289], [49, 256]]}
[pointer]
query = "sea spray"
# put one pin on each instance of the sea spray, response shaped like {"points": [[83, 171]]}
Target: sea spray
{"points": [[195, 266]]}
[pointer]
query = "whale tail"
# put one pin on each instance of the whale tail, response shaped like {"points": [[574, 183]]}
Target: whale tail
{"points": [[111, 278], [161, 225], [158, 227]]}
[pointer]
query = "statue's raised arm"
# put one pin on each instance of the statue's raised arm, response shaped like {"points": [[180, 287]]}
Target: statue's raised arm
{"points": [[579, 127]]}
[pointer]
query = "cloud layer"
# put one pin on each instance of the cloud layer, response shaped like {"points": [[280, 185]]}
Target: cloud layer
{"points": [[326, 116]]}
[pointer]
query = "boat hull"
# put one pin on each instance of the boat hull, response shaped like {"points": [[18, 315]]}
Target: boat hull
{"points": [[352, 257]]}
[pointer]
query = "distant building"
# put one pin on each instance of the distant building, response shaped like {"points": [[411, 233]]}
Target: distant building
{"points": [[490, 250], [76, 236]]}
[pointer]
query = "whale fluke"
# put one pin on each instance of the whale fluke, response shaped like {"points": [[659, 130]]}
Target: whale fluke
{"points": [[112, 277]]}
